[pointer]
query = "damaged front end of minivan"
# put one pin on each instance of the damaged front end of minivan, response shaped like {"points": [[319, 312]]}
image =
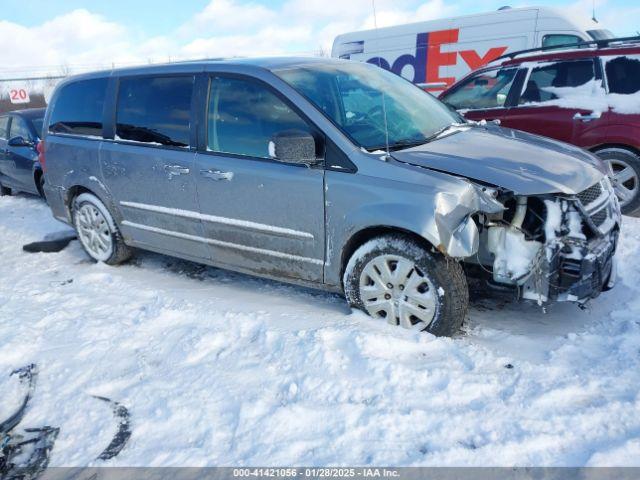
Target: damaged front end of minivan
{"points": [[548, 248]]}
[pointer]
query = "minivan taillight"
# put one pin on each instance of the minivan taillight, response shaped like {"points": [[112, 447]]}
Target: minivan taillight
{"points": [[41, 158]]}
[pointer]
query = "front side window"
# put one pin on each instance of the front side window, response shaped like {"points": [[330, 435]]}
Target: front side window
{"points": [[369, 104], [485, 90], [556, 40], [155, 110], [19, 128], [623, 75], [4, 124], [546, 82], [78, 108], [243, 116]]}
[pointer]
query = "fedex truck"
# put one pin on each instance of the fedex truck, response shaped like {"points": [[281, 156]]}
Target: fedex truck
{"points": [[436, 53]]}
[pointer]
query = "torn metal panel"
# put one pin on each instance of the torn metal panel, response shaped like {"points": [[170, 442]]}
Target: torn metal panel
{"points": [[458, 233]]}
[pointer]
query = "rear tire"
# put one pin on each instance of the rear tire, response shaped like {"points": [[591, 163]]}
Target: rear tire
{"points": [[626, 177], [97, 230], [4, 191], [395, 279], [40, 186]]}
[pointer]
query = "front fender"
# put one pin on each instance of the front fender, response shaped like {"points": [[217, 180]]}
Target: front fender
{"points": [[443, 216]]}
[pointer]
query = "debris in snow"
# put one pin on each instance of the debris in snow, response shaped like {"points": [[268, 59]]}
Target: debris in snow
{"points": [[24, 455], [50, 245], [123, 433], [27, 375]]}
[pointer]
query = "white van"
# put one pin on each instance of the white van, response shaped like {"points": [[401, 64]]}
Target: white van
{"points": [[439, 52]]}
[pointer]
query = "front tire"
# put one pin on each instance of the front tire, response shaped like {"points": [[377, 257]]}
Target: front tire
{"points": [[625, 165], [394, 278], [97, 231]]}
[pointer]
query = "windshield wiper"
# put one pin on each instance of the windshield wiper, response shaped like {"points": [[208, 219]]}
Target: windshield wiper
{"points": [[393, 146], [442, 130]]}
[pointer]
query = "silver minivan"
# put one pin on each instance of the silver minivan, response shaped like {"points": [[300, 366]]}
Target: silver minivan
{"points": [[327, 173]]}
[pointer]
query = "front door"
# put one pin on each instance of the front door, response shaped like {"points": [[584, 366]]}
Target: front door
{"points": [[483, 96], [258, 215], [21, 159], [149, 166]]}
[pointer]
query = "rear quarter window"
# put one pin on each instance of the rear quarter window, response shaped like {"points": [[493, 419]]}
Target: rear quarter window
{"points": [[78, 108], [623, 74], [546, 82]]}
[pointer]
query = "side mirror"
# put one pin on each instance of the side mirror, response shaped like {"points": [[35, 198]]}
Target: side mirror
{"points": [[19, 142], [293, 146]]}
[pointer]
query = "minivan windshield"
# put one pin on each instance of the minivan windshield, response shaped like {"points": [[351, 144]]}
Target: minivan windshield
{"points": [[370, 105]]}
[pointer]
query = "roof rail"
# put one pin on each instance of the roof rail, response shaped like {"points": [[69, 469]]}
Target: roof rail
{"points": [[597, 43]]}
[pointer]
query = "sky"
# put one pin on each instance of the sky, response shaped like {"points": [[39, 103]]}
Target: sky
{"points": [[70, 35]]}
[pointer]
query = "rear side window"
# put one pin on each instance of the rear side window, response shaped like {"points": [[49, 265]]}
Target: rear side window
{"points": [[543, 81], [244, 115], [623, 75], [155, 110], [484, 90], [78, 108], [4, 123]]}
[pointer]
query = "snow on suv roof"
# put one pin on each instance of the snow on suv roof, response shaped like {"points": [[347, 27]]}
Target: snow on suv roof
{"points": [[616, 46]]}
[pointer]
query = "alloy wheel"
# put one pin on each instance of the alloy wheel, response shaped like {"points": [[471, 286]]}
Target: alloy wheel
{"points": [[94, 232], [625, 181]]}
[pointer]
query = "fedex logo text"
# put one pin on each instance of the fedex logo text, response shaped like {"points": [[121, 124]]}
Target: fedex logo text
{"points": [[429, 57]]}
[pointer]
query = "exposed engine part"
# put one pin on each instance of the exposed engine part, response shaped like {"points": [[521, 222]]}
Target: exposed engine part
{"points": [[553, 247]]}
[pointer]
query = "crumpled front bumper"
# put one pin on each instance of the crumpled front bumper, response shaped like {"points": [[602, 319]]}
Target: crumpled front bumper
{"points": [[581, 279]]}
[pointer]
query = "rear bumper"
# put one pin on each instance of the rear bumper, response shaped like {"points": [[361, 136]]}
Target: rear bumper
{"points": [[55, 199]]}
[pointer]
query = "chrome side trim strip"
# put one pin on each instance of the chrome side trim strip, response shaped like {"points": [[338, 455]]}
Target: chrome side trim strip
{"points": [[260, 227], [219, 243]]}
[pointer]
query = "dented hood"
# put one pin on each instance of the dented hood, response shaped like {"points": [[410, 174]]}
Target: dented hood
{"points": [[523, 163]]}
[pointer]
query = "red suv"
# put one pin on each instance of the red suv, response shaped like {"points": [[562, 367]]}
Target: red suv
{"points": [[587, 95]]}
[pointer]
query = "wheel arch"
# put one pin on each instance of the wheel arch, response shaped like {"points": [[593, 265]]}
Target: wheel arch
{"points": [[37, 175], [362, 236], [75, 190], [622, 146]]}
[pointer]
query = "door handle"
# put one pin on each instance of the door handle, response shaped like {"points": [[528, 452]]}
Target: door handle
{"points": [[174, 170], [586, 118], [216, 174]]}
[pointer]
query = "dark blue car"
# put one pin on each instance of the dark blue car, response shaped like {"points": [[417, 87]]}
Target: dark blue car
{"points": [[20, 132]]}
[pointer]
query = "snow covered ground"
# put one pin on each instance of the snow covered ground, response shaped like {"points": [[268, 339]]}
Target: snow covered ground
{"points": [[223, 369]]}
